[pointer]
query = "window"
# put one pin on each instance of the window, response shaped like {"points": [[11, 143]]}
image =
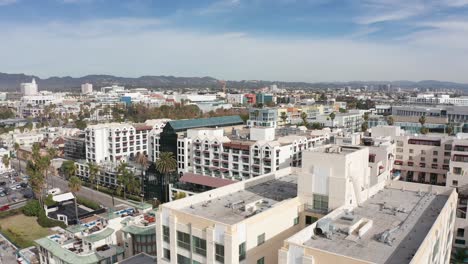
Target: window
{"points": [[423, 152], [423, 159], [411, 151], [320, 202], [167, 254], [434, 160], [460, 232], [183, 240], [166, 236], [455, 183], [399, 150], [435, 153], [460, 241], [219, 253], [182, 259], [260, 239], [261, 261], [310, 219], [242, 251], [410, 158], [199, 245], [296, 220]]}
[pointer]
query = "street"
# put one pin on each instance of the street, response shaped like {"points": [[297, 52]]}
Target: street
{"points": [[101, 198], [62, 184]]}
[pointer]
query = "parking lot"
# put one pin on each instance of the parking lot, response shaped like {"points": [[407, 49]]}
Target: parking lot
{"points": [[13, 188]]}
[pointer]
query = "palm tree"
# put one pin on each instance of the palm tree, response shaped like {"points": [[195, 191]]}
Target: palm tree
{"points": [[74, 184], [449, 128], [332, 117], [143, 161], [6, 160], [68, 168], [459, 256], [304, 118], [165, 164], [284, 117], [390, 120], [16, 147], [122, 179], [93, 174], [422, 121]]}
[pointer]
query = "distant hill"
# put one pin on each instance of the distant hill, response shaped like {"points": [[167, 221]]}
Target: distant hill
{"points": [[11, 82]]}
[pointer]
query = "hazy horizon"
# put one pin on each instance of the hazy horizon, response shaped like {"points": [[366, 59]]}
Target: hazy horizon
{"points": [[284, 40]]}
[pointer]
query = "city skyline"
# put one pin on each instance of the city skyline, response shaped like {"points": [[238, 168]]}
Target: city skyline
{"points": [[322, 40]]}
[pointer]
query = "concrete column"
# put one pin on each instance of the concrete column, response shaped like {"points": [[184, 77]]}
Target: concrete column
{"points": [[210, 246]]}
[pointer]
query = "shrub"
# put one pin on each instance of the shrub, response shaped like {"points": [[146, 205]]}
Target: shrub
{"points": [[88, 203], [44, 221], [32, 208], [9, 213], [49, 201]]}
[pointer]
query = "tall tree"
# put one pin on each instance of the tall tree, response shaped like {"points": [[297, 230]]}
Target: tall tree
{"points": [[123, 178], [143, 161], [74, 184], [165, 164], [332, 118], [68, 169], [449, 128], [422, 121], [284, 117], [6, 160], [390, 120], [93, 169], [304, 118]]}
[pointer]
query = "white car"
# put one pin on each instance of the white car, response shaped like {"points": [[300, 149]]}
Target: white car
{"points": [[2, 194]]}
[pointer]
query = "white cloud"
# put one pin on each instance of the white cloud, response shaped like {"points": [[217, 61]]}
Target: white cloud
{"points": [[69, 49], [218, 7], [7, 2]]}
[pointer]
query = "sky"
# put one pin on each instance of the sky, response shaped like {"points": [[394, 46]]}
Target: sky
{"points": [[284, 40]]}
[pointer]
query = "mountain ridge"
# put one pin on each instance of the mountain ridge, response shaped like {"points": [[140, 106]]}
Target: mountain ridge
{"points": [[11, 82]]}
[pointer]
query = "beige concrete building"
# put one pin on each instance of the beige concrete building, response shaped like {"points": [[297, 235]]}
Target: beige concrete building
{"points": [[403, 223], [248, 221]]}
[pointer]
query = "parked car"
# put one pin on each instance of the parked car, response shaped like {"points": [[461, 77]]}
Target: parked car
{"points": [[28, 195], [23, 185], [2, 194], [4, 208], [2, 183]]}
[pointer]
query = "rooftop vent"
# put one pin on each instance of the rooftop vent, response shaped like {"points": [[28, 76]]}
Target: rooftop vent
{"points": [[324, 228]]}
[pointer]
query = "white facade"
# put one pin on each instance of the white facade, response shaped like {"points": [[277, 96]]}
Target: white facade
{"points": [[115, 142], [86, 88], [235, 99], [29, 88]]}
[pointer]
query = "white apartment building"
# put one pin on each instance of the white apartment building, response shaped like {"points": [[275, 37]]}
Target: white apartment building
{"points": [[29, 88], [244, 222], [352, 121], [86, 88], [253, 220], [116, 142], [235, 99]]}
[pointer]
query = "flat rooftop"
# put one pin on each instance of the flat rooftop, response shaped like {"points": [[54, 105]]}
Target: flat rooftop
{"points": [[405, 216], [336, 149], [235, 207]]}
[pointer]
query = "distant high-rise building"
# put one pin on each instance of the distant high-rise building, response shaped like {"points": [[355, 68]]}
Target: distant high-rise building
{"points": [[86, 88], [29, 88]]}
